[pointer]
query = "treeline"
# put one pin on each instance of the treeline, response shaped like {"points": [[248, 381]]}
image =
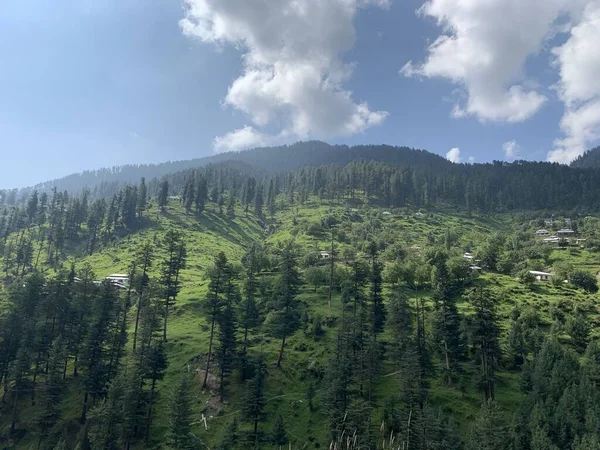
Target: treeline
{"points": [[267, 160], [485, 188]]}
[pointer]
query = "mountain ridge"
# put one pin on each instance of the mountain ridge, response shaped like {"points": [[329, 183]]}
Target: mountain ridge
{"points": [[271, 159]]}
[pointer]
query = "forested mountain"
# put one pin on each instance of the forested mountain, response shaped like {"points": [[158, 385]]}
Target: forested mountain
{"points": [[398, 175], [360, 305], [268, 159], [589, 160]]}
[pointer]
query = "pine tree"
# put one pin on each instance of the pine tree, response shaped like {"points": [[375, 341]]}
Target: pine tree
{"points": [[286, 316], [142, 198], [253, 402], [48, 392], [201, 196], [488, 431], [171, 268], [271, 195], [231, 206], [485, 335], [259, 201], [144, 261], [179, 434], [376, 298], [163, 195], [220, 279], [278, 434], [227, 342], [106, 418]]}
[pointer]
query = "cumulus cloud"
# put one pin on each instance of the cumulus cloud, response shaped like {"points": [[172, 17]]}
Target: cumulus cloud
{"points": [[293, 72], [243, 138], [511, 149], [453, 155], [484, 47], [578, 60]]}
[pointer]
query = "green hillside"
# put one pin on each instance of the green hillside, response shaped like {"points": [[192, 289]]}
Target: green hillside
{"points": [[433, 313]]}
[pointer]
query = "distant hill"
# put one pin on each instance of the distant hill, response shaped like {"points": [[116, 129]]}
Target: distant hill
{"points": [[589, 160], [265, 159]]}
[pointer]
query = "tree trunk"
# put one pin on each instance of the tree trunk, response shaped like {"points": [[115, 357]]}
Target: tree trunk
{"points": [[281, 352], [212, 332], [166, 318], [14, 412], [84, 409]]}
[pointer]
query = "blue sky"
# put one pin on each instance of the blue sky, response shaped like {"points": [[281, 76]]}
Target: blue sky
{"points": [[94, 83]]}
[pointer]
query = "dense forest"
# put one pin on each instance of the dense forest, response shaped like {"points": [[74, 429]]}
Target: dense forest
{"points": [[589, 160], [361, 304]]}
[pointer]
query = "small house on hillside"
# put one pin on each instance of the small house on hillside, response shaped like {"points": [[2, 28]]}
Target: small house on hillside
{"points": [[565, 232], [120, 280], [541, 276], [542, 232], [468, 256], [324, 255]]}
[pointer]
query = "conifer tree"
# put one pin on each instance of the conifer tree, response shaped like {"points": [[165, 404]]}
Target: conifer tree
{"points": [[253, 403], [50, 389], [259, 200], [278, 434], [142, 202], [220, 279], [171, 268], [227, 342], [376, 297], [485, 335], [163, 195], [488, 431], [179, 434], [144, 261], [286, 317], [201, 195]]}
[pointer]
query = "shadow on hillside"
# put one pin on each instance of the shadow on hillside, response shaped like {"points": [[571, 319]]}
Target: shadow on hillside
{"points": [[213, 222]]}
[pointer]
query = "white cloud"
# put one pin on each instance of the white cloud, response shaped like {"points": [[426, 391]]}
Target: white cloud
{"points": [[578, 60], [241, 139], [511, 149], [484, 47], [471, 159], [293, 71], [453, 155]]}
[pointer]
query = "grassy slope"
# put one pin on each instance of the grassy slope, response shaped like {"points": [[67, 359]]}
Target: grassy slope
{"points": [[286, 387]]}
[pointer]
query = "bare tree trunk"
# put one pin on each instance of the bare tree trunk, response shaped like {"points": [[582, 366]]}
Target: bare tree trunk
{"points": [[281, 352]]}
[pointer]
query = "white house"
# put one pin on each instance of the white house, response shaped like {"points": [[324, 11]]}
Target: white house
{"points": [[468, 256], [542, 232], [324, 255], [387, 213], [541, 276]]}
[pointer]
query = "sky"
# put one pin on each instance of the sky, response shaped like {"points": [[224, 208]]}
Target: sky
{"points": [[86, 84]]}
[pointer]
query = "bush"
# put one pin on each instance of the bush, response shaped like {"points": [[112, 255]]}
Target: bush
{"points": [[585, 281]]}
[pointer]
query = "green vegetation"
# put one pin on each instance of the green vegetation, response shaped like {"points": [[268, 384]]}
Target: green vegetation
{"points": [[294, 310]]}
